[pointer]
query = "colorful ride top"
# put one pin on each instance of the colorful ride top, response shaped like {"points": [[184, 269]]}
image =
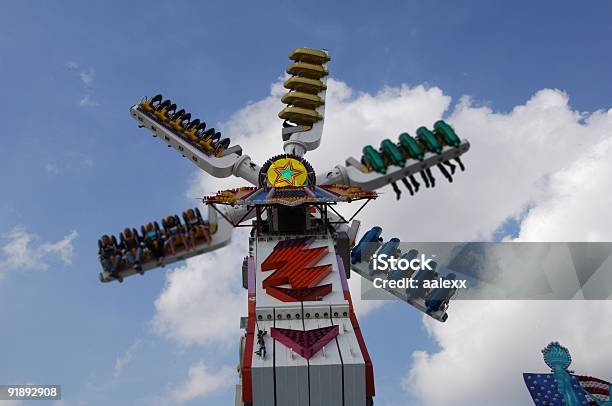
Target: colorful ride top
{"points": [[289, 195], [302, 344]]}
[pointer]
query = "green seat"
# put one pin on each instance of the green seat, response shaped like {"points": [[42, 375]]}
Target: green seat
{"points": [[411, 146], [374, 159], [429, 140], [392, 152], [447, 133]]}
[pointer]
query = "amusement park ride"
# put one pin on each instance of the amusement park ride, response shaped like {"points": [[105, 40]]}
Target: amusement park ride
{"points": [[302, 345]]}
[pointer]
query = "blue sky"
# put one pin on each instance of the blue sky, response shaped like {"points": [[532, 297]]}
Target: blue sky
{"points": [[73, 159]]}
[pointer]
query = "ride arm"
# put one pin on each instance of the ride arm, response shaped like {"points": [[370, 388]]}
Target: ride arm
{"points": [[204, 147], [220, 232], [304, 115], [361, 262], [418, 303], [402, 161]]}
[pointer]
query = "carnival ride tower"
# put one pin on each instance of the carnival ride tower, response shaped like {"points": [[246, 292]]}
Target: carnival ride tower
{"points": [[302, 344]]}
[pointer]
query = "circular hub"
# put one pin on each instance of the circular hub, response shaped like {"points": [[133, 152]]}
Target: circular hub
{"points": [[286, 170]]}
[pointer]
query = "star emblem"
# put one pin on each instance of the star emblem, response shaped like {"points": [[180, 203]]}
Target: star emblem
{"points": [[287, 173]]}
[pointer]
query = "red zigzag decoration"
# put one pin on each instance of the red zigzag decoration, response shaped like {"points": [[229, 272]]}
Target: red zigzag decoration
{"points": [[294, 263]]}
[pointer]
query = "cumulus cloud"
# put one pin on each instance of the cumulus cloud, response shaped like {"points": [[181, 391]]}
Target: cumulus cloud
{"points": [[72, 65], [203, 300], [486, 345], [71, 161], [201, 382], [126, 358], [578, 203], [87, 77], [20, 251], [542, 164], [88, 101], [362, 307], [52, 168], [62, 248]]}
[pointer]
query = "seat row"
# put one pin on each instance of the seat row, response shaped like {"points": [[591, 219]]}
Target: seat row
{"points": [[136, 250], [192, 130], [426, 141]]}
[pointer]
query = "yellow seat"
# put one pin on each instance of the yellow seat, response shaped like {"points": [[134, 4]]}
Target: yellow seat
{"points": [[307, 70], [151, 104], [162, 114], [309, 55], [191, 134], [305, 100], [177, 124], [146, 105], [306, 85], [206, 144], [201, 233], [300, 116]]}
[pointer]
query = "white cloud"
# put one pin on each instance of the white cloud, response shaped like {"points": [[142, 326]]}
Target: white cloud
{"points": [[72, 161], [52, 168], [487, 345], [126, 358], [87, 77], [542, 163], [87, 101], [579, 201], [494, 342], [362, 307], [21, 253], [202, 382], [17, 252], [62, 248], [71, 65], [204, 299]]}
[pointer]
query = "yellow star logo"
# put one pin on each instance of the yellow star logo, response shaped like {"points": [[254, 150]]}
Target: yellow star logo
{"points": [[287, 172]]}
